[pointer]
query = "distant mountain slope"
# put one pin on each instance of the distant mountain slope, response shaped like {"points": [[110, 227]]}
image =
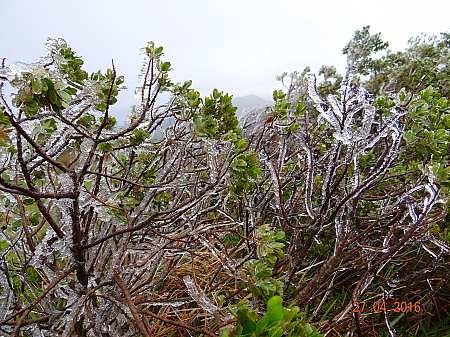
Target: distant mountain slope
{"points": [[246, 104], [249, 108]]}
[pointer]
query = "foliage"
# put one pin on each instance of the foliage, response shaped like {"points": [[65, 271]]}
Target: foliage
{"points": [[278, 321], [185, 222], [270, 246]]}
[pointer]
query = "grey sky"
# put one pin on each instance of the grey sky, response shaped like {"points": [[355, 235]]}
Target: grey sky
{"points": [[236, 46]]}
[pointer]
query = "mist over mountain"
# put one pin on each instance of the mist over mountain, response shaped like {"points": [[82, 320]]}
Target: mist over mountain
{"points": [[248, 103]]}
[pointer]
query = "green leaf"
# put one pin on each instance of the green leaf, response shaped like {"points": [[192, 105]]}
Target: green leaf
{"points": [[54, 98], [187, 84], [44, 84], [165, 66], [402, 95], [239, 164], [105, 147], [159, 51], [3, 245], [279, 236], [36, 86], [28, 201], [110, 123], [278, 95], [139, 136], [275, 308], [409, 136], [70, 90], [4, 120], [49, 125], [225, 333], [441, 135], [31, 108], [120, 80], [101, 107], [86, 120], [262, 325], [246, 320], [65, 96], [88, 184], [276, 332], [446, 121]]}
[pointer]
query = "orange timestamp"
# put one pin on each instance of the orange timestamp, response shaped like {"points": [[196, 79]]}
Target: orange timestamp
{"points": [[381, 306]]}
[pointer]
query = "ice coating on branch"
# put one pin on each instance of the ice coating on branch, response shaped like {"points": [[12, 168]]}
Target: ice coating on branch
{"points": [[51, 244], [276, 184], [71, 316], [199, 296], [228, 264], [392, 331], [65, 181], [442, 245], [428, 202], [31, 127], [309, 182], [341, 228], [429, 251], [356, 177], [213, 150], [175, 304], [14, 70], [6, 295], [44, 248], [342, 115], [412, 212], [57, 142], [85, 147], [54, 44], [34, 331], [64, 206]]}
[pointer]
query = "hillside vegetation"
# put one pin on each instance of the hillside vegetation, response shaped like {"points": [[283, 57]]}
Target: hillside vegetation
{"points": [[325, 215]]}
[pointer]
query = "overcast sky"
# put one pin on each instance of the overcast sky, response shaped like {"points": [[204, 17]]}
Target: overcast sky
{"points": [[235, 45]]}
